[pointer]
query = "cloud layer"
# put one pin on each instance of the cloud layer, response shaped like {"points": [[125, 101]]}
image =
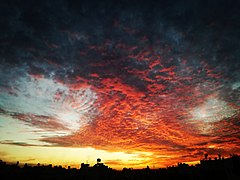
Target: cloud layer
{"points": [[158, 77]]}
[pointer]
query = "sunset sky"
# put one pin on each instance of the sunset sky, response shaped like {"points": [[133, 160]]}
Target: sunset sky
{"points": [[135, 83]]}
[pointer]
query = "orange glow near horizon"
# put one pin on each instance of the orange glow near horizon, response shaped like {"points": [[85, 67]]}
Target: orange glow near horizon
{"points": [[66, 156]]}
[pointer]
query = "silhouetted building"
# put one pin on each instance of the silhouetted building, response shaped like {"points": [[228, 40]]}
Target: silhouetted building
{"points": [[84, 166]]}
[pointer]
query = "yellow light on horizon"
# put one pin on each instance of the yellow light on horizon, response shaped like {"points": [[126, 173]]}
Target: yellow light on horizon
{"points": [[211, 146], [67, 156]]}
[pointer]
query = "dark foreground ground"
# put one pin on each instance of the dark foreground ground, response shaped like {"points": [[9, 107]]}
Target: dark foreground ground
{"points": [[218, 168]]}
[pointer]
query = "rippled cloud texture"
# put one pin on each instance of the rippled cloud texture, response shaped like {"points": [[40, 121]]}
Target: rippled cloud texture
{"points": [[160, 78]]}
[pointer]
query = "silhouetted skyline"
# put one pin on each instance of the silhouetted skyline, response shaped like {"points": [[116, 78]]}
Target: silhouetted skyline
{"points": [[219, 168]]}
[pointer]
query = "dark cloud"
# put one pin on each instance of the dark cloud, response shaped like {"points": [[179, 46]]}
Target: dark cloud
{"points": [[10, 142]]}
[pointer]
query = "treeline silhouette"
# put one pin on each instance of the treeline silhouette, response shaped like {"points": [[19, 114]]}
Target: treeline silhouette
{"points": [[217, 168]]}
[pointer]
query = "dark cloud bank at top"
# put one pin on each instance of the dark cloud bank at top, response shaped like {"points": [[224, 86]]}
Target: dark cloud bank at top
{"points": [[72, 33], [154, 73]]}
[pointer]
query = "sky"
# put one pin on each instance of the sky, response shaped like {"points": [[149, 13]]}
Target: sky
{"points": [[135, 83]]}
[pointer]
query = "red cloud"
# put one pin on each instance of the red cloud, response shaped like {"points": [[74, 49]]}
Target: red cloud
{"points": [[158, 119]]}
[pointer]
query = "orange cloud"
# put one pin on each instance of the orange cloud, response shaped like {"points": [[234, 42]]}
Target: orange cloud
{"points": [[157, 120]]}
